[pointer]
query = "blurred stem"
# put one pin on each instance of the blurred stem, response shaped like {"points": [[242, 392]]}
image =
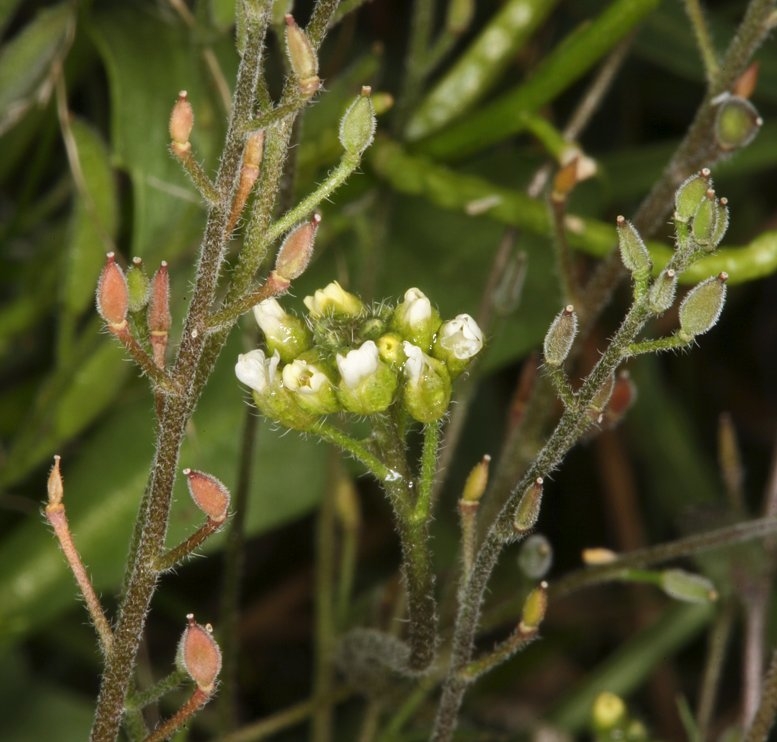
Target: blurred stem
{"points": [[231, 581], [713, 668], [703, 39], [415, 71], [764, 717]]}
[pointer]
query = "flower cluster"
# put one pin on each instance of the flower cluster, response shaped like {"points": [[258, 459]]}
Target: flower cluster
{"points": [[349, 357]]}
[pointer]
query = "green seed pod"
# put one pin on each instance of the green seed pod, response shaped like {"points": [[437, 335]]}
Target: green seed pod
{"points": [[701, 308], [705, 221], [737, 122], [357, 126], [477, 481], [634, 254], [721, 222], [528, 511], [138, 285], [534, 608], [690, 194], [687, 587], [663, 291], [561, 335]]}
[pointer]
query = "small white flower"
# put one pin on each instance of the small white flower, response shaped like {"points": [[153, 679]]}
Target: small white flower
{"points": [[305, 378], [256, 370], [461, 337], [358, 364], [269, 315], [416, 362], [418, 307], [333, 299]]}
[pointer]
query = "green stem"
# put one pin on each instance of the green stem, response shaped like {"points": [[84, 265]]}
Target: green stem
{"points": [[703, 39], [173, 557], [423, 505], [141, 699], [358, 450], [767, 710]]}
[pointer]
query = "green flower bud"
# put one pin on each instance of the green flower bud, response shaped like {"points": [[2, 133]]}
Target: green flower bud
{"points": [[701, 308], [458, 341], [534, 608], [528, 511], [687, 587], [560, 336], [690, 194], [535, 557], [609, 712], [367, 384], [427, 389], [662, 292], [311, 386], [333, 300], [302, 58], [138, 285], [416, 320], [634, 254], [272, 399], [357, 127], [390, 349], [284, 333], [736, 123]]}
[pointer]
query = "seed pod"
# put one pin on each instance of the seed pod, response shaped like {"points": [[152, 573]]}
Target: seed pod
{"points": [[634, 254], [302, 58], [297, 249], [357, 126], [688, 587], [663, 291], [737, 123], [112, 293], [477, 481], [704, 224], [689, 195], [181, 124], [199, 654], [721, 222], [701, 308], [528, 511], [209, 494], [138, 285], [534, 608], [560, 336]]}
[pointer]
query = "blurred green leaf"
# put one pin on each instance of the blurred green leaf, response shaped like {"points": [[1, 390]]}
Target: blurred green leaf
{"points": [[26, 59]]}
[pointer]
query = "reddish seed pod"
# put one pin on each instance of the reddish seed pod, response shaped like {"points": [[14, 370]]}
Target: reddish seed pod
{"points": [[209, 494], [199, 654], [181, 124], [112, 293], [297, 249]]}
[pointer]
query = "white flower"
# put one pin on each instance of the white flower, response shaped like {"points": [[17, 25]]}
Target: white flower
{"points": [[358, 364], [418, 308], [416, 363], [333, 299], [461, 337], [256, 370], [269, 316], [305, 378]]}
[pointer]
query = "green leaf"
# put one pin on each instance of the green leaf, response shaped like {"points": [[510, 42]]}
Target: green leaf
{"points": [[104, 483], [25, 61], [94, 221]]}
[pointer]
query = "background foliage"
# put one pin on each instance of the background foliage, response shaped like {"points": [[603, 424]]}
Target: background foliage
{"points": [[85, 92]]}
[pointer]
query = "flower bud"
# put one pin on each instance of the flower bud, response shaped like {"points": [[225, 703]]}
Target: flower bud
{"points": [[534, 608], [138, 285], [357, 126], [312, 387], [284, 333], [458, 341], [297, 249], [272, 399], [560, 336], [302, 57], [209, 494], [690, 194], [112, 293], [181, 125], [528, 511], [199, 654], [535, 557], [477, 481], [736, 123], [367, 383], [634, 254], [333, 300], [55, 488], [662, 292], [687, 587], [390, 349], [701, 308], [427, 389], [609, 713], [416, 320]]}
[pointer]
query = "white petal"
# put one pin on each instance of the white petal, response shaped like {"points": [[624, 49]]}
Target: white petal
{"points": [[358, 364], [462, 337], [251, 370]]}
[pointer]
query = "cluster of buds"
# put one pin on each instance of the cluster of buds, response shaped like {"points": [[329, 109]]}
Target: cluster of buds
{"points": [[349, 357]]}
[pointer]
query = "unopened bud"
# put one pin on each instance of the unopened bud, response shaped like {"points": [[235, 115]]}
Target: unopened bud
{"points": [[209, 494], [528, 510], [598, 555], [55, 487], [737, 122], [357, 126], [609, 712], [284, 332], [536, 556], [634, 254], [687, 587], [477, 481], [181, 124], [138, 285], [302, 57], [199, 655], [333, 299], [561, 335], [297, 249], [534, 608], [690, 194], [427, 390], [390, 349], [663, 291], [158, 317], [112, 293], [701, 308]]}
